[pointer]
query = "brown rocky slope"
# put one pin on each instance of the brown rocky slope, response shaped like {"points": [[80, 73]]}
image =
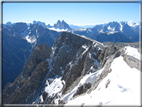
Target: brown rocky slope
{"points": [[26, 86]]}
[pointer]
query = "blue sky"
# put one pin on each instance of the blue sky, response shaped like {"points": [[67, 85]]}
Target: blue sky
{"points": [[72, 13]]}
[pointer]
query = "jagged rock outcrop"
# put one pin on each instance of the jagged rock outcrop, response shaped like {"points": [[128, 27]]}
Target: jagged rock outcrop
{"points": [[73, 57], [40, 53], [106, 58], [30, 82], [82, 89], [106, 53], [131, 61]]}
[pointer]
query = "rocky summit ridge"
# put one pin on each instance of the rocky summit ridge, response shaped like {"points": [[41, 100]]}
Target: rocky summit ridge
{"points": [[51, 75]]}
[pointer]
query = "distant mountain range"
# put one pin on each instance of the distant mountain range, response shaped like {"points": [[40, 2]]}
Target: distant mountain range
{"points": [[19, 40], [129, 29]]}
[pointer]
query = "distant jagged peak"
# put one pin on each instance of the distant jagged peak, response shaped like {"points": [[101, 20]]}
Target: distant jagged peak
{"points": [[58, 22], [61, 21], [62, 25]]}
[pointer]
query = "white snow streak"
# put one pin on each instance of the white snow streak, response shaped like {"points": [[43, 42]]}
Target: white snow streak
{"points": [[58, 30], [111, 32]]}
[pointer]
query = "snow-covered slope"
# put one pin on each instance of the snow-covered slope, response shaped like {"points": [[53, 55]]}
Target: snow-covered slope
{"points": [[123, 87], [132, 52], [120, 87]]}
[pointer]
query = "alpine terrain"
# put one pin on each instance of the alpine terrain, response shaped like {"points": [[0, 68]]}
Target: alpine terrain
{"points": [[76, 70], [18, 41]]}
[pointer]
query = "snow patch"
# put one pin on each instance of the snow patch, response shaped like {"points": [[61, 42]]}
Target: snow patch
{"points": [[55, 87], [111, 32], [41, 99], [31, 39], [80, 29], [101, 31], [132, 52], [84, 46], [109, 28]]}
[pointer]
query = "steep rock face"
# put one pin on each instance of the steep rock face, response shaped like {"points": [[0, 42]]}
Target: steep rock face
{"points": [[106, 54], [84, 62], [30, 82], [73, 56], [40, 53], [16, 51], [19, 40], [65, 49]]}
